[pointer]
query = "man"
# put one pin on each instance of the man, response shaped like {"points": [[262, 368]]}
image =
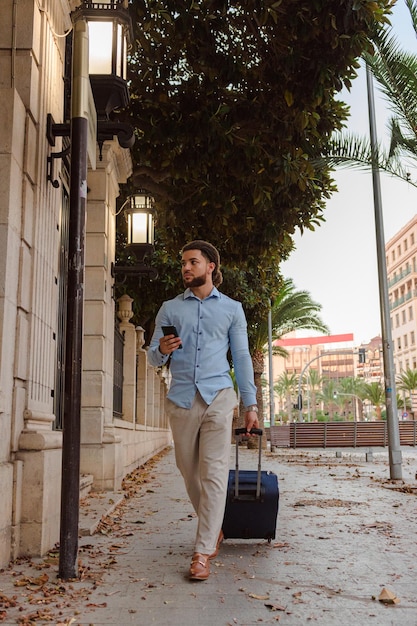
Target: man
{"points": [[201, 398]]}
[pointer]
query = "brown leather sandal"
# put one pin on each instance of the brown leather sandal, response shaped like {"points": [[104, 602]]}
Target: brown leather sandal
{"points": [[200, 567]]}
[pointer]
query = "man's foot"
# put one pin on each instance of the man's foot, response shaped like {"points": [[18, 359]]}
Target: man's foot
{"points": [[219, 540], [200, 566]]}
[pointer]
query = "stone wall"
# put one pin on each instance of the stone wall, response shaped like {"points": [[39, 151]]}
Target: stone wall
{"points": [[32, 55]]}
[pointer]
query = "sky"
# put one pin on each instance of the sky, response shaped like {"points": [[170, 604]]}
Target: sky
{"points": [[337, 263]]}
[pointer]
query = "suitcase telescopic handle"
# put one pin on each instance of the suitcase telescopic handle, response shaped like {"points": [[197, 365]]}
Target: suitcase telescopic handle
{"points": [[253, 431]]}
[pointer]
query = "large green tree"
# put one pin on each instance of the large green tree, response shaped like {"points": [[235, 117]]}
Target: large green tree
{"points": [[233, 102]]}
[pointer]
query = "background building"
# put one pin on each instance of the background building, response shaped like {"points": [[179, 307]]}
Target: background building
{"points": [[370, 366], [401, 258], [316, 362]]}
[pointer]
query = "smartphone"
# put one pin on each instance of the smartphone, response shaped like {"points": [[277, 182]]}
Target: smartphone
{"points": [[171, 330]]}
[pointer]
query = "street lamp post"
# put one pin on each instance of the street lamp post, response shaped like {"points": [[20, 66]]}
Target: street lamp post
{"points": [[109, 90], [70, 490], [395, 455], [352, 395]]}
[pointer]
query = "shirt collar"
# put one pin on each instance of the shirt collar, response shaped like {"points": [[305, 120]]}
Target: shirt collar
{"points": [[215, 293]]}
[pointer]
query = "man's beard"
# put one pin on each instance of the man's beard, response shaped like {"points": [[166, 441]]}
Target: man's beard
{"points": [[197, 281]]}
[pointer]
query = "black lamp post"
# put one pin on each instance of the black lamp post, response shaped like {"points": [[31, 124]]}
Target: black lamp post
{"points": [[110, 93]]}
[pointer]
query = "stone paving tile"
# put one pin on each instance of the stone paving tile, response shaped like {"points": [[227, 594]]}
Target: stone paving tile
{"points": [[344, 532]]}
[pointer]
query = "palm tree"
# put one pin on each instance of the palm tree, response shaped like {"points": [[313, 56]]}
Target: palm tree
{"points": [[288, 383], [353, 387], [329, 397], [407, 382], [376, 395], [280, 391], [291, 310], [313, 382], [396, 74]]}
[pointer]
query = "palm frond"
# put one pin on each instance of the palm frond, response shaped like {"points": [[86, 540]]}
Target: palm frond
{"points": [[396, 73], [290, 311], [412, 7], [399, 142], [350, 150]]}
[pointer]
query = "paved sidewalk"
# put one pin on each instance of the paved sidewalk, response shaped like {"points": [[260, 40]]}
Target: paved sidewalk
{"points": [[344, 533]]}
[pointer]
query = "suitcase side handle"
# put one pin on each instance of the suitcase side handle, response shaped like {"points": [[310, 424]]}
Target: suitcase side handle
{"points": [[253, 431]]}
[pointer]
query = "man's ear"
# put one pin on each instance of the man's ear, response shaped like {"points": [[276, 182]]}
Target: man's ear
{"points": [[211, 266]]}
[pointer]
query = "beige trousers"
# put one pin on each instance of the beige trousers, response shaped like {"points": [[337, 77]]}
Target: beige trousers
{"points": [[202, 437]]}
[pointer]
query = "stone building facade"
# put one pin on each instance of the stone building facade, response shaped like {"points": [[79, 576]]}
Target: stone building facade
{"points": [[33, 244], [401, 258]]}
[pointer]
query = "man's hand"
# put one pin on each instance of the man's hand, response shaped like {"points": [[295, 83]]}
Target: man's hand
{"points": [[169, 343], [251, 421]]}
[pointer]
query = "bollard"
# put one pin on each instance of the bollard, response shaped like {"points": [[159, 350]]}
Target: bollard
{"points": [[338, 454], [369, 455]]}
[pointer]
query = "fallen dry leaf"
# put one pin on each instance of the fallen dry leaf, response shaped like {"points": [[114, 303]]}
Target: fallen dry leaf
{"points": [[388, 597], [258, 597], [275, 607], [32, 582], [6, 602]]}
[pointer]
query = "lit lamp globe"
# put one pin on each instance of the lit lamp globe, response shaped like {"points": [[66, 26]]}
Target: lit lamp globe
{"points": [[140, 224], [110, 36]]}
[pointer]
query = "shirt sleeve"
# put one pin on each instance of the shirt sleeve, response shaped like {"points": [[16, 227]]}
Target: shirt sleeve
{"points": [[242, 361], [155, 356]]}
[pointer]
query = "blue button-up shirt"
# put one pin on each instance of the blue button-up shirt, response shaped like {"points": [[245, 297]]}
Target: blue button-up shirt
{"points": [[207, 329]]}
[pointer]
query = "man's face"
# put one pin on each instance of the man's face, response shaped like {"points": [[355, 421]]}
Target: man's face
{"points": [[196, 269]]}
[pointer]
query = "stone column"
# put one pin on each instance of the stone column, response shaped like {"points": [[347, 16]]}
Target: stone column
{"points": [[101, 453], [125, 313], [142, 378]]}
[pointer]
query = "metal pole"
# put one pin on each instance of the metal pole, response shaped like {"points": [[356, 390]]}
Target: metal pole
{"points": [[271, 372], [395, 456], [70, 483]]}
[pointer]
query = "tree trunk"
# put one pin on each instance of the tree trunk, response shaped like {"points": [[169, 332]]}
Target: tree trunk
{"points": [[258, 369]]}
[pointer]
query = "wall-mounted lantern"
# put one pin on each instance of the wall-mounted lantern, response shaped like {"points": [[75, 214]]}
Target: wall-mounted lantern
{"points": [[110, 35], [139, 214], [140, 224]]}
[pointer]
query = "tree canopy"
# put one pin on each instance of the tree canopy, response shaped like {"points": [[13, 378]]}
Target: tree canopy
{"points": [[233, 104]]}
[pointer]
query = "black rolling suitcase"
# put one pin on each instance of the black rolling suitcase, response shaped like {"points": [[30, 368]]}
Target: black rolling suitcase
{"points": [[252, 500]]}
